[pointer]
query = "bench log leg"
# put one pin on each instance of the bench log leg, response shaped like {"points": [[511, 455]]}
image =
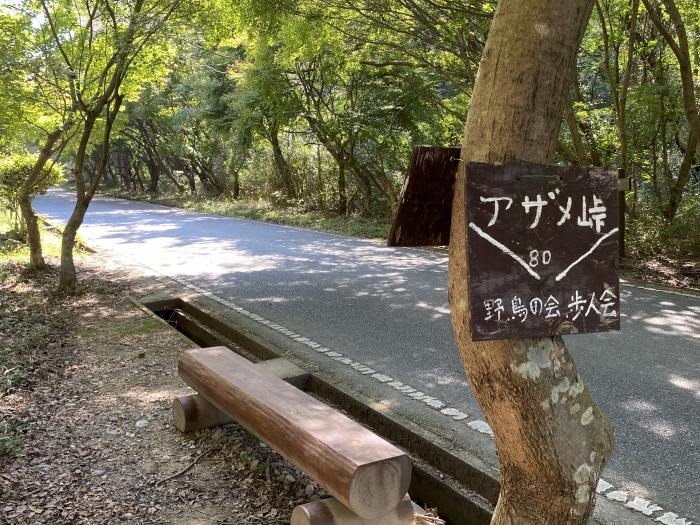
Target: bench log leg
{"points": [[193, 412], [331, 512]]}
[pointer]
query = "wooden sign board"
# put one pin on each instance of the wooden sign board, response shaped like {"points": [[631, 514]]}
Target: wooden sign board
{"points": [[543, 247], [425, 206]]}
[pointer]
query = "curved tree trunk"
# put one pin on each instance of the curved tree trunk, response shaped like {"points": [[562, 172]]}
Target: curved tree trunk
{"points": [[551, 437], [67, 279], [31, 221]]}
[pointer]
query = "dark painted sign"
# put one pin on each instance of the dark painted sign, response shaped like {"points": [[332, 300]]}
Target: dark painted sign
{"points": [[543, 246]]}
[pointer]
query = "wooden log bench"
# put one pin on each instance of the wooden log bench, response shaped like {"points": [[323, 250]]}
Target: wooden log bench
{"points": [[363, 472]]}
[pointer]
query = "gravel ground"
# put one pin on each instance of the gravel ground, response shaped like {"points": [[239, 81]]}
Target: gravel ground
{"points": [[85, 419]]}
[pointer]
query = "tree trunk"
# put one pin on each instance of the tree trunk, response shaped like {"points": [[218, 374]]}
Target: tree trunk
{"points": [[619, 92], [68, 279], [552, 439], [154, 176], [576, 136], [236, 190], [677, 188], [342, 192], [679, 46], [387, 187], [281, 164], [31, 222], [190, 179]]}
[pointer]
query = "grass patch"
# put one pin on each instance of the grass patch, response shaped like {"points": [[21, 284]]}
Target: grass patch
{"points": [[367, 228], [13, 248], [9, 439], [149, 326]]}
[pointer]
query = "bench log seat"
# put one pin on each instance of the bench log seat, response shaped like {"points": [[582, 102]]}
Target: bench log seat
{"points": [[192, 412], [361, 470]]}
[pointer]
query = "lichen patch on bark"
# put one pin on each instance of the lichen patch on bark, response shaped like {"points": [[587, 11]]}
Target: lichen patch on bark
{"points": [[537, 360]]}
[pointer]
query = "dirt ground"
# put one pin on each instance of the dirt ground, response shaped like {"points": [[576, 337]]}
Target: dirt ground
{"points": [[85, 419], [682, 274]]}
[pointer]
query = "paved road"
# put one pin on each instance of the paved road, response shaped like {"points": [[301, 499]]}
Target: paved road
{"points": [[388, 308]]}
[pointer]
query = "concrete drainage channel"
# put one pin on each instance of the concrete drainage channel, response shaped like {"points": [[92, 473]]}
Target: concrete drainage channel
{"points": [[463, 493]]}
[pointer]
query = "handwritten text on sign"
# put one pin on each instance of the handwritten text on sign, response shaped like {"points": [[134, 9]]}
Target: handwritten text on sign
{"points": [[542, 250]]}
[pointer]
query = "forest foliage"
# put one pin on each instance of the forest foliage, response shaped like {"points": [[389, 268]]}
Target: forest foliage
{"points": [[317, 104]]}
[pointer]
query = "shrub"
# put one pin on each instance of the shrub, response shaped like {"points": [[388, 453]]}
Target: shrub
{"points": [[14, 170]]}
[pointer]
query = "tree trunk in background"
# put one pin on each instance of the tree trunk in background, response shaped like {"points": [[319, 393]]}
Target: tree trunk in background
{"points": [[551, 447], [680, 48], [236, 190], [612, 68], [387, 187], [190, 180], [342, 192], [677, 188], [153, 175], [281, 164], [576, 136]]}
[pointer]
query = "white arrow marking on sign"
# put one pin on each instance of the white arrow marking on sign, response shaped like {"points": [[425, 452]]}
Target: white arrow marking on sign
{"points": [[504, 249], [598, 242]]}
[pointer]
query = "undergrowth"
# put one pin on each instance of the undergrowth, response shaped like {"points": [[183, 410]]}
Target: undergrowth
{"points": [[355, 226], [651, 235]]}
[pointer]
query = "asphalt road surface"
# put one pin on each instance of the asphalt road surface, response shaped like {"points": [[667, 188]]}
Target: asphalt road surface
{"points": [[387, 308]]}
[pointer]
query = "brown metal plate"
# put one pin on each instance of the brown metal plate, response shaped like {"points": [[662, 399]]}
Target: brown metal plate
{"points": [[543, 246], [425, 208]]}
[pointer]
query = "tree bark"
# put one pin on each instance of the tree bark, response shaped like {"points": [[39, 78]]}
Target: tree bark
{"points": [[552, 439], [68, 279], [154, 175], [31, 222]]}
